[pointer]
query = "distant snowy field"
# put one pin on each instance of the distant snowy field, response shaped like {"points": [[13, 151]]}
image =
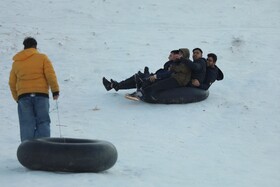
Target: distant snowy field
{"points": [[232, 139]]}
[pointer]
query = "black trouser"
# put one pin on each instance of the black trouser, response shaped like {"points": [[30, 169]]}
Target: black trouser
{"points": [[132, 82], [150, 92]]}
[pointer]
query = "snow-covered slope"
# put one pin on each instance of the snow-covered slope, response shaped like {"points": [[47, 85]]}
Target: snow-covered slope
{"points": [[230, 139]]}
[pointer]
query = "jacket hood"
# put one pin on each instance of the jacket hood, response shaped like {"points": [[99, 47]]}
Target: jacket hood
{"points": [[186, 52], [220, 74], [24, 54]]}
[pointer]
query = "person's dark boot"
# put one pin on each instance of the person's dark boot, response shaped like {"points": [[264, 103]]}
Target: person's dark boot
{"points": [[115, 84], [135, 96], [107, 84], [146, 72], [138, 80]]}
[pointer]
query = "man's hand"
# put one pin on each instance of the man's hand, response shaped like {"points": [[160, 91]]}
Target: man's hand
{"points": [[55, 97], [195, 82], [153, 78]]}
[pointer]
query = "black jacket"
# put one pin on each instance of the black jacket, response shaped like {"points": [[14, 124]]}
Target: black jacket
{"points": [[198, 68], [164, 72], [212, 74]]}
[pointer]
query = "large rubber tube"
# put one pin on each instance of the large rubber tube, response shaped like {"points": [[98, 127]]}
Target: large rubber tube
{"points": [[67, 154], [180, 96]]}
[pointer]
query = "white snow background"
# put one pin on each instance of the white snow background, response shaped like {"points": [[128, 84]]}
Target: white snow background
{"points": [[231, 139]]}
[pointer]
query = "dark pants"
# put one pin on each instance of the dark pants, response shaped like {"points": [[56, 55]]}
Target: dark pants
{"points": [[150, 92], [135, 81]]}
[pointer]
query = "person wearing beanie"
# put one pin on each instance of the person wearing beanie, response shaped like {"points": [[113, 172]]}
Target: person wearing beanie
{"points": [[213, 73], [31, 76]]}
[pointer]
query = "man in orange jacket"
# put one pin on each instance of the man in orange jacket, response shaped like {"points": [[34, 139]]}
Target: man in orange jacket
{"points": [[31, 76]]}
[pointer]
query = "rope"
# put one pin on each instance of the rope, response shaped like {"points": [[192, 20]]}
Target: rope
{"points": [[58, 118]]}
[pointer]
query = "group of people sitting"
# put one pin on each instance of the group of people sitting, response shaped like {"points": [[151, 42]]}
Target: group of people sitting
{"points": [[179, 71]]}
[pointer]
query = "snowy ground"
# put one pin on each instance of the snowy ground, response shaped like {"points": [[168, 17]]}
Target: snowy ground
{"points": [[231, 139]]}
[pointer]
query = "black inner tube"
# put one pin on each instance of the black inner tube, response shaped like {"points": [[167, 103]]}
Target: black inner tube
{"points": [[67, 154], [180, 95]]}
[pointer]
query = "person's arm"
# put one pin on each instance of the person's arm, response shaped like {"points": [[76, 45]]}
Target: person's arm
{"points": [[220, 75], [163, 74], [203, 86], [55, 95], [12, 84], [51, 78], [195, 66], [167, 65]]}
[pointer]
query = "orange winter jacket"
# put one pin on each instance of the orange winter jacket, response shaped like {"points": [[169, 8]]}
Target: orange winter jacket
{"points": [[32, 72]]}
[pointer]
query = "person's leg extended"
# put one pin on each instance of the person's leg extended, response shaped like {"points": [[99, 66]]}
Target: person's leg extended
{"points": [[128, 83]]}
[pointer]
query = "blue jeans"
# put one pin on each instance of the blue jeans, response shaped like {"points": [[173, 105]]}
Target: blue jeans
{"points": [[34, 119]]}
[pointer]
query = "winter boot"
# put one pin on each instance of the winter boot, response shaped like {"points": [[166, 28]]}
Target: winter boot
{"points": [[135, 96], [107, 84], [138, 80], [115, 84], [146, 72]]}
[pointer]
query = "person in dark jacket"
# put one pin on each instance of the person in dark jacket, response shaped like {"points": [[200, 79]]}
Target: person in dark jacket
{"points": [[165, 72], [139, 79], [180, 75], [213, 73], [198, 66]]}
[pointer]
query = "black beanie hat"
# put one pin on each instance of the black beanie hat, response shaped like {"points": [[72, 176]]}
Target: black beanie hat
{"points": [[29, 42]]}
